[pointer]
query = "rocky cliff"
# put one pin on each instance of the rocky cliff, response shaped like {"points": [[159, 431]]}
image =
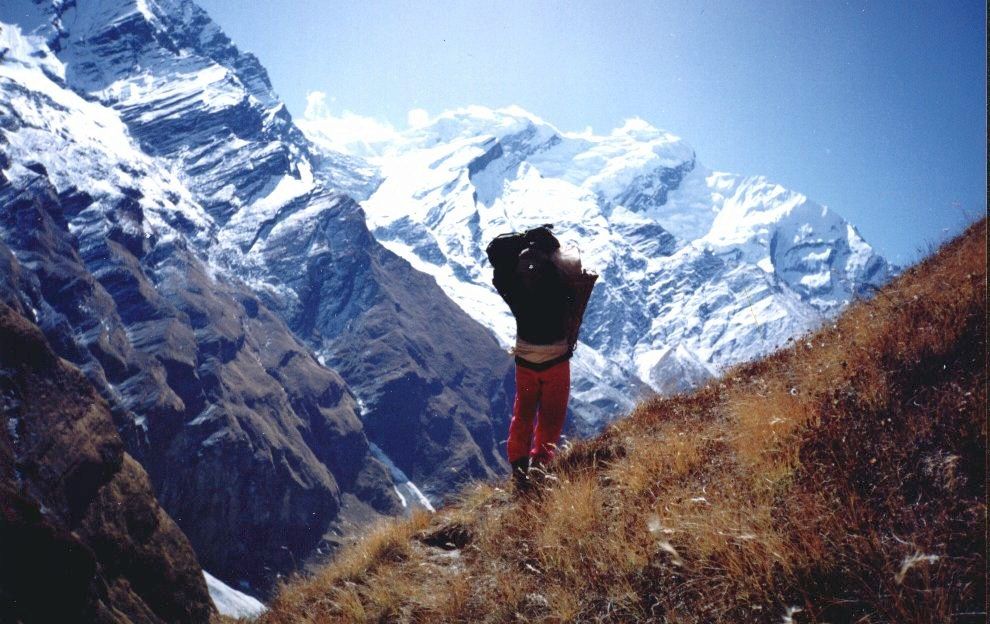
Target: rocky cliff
{"points": [[176, 237], [429, 376], [82, 537]]}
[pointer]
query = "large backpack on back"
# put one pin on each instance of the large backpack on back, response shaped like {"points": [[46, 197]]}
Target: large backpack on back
{"points": [[504, 253], [581, 282]]}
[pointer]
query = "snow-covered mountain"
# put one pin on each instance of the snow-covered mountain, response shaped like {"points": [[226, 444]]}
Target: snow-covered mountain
{"points": [[699, 269], [285, 225], [103, 245], [172, 233]]}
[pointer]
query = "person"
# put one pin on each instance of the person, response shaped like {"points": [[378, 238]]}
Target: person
{"points": [[547, 293]]}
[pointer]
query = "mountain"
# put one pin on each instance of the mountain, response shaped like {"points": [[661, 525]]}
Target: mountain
{"points": [[175, 236], [284, 225], [841, 479], [253, 447], [82, 537], [289, 364], [700, 270]]}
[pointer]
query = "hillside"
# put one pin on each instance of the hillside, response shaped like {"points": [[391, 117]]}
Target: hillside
{"points": [[840, 479]]}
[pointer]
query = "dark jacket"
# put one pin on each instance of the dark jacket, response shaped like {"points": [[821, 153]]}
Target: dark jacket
{"points": [[540, 299], [546, 291]]}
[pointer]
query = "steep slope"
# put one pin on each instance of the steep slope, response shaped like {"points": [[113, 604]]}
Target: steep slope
{"points": [[839, 480], [254, 447], [282, 225], [82, 538], [434, 385], [699, 270]]}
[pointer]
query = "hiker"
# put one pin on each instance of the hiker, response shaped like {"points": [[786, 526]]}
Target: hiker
{"points": [[547, 292]]}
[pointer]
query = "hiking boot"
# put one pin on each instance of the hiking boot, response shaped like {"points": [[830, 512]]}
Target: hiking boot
{"points": [[539, 473], [520, 475], [537, 469]]}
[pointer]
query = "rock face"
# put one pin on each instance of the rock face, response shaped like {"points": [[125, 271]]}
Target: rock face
{"points": [[253, 446], [699, 270], [433, 382], [82, 538]]}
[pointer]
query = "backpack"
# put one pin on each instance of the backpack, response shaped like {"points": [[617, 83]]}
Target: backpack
{"points": [[504, 252]]}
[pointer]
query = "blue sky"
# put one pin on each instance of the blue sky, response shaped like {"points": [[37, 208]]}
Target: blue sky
{"points": [[877, 109]]}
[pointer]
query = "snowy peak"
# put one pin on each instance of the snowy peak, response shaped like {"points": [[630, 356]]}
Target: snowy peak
{"points": [[187, 95], [81, 144], [811, 248], [472, 123], [700, 269]]}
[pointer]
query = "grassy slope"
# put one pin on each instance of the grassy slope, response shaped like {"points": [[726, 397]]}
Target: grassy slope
{"points": [[841, 479]]}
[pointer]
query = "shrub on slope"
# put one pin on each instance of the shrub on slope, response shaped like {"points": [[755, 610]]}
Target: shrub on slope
{"points": [[841, 479]]}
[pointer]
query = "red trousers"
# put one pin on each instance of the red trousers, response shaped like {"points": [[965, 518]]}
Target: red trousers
{"points": [[541, 400]]}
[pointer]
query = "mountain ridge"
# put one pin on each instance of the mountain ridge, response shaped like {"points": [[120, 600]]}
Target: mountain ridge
{"points": [[210, 112], [100, 245], [165, 204]]}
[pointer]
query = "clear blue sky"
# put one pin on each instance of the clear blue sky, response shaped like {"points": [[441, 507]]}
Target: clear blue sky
{"points": [[877, 109]]}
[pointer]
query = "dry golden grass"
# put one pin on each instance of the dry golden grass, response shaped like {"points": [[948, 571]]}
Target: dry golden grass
{"points": [[839, 480]]}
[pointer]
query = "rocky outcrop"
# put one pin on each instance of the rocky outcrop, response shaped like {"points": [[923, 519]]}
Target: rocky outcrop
{"points": [[82, 538], [249, 440]]}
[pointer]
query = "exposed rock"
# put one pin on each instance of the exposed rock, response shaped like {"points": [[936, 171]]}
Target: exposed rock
{"points": [[82, 537], [432, 379]]}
